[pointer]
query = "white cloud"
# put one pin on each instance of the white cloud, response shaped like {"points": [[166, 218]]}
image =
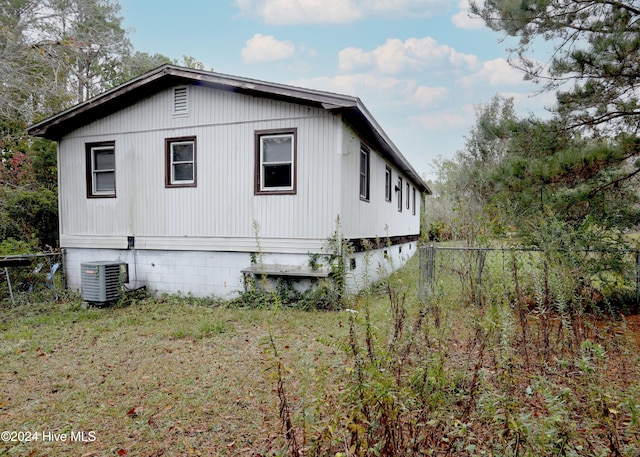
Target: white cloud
{"points": [[410, 8], [351, 58], [442, 121], [379, 90], [301, 11], [495, 73], [425, 96], [396, 56], [358, 83], [265, 48], [463, 18], [337, 11]]}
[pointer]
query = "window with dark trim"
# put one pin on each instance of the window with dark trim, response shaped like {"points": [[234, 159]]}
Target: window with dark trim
{"points": [[387, 183], [399, 190], [408, 201], [364, 173], [181, 166], [275, 161], [413, 191], [101, 169]]}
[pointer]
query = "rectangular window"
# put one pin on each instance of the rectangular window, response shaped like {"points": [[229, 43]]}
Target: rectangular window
{"points": [[275, 164], [101, 169], [180, 162], [408, 196], [399, 190], [364, 173], [387, 183], [413, 191]]}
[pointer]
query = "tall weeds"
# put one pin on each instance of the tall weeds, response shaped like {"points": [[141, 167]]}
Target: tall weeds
{"points": [[439, 377]]}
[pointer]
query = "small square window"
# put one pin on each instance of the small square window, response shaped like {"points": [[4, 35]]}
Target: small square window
{"points": [[181, 165], [276, 162], [101, 169]]}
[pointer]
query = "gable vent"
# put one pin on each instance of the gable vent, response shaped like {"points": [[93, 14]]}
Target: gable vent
{"points": [[180, 101]]}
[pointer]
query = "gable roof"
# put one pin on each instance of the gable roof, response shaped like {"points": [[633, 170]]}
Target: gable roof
{"points": [[351, 108]]}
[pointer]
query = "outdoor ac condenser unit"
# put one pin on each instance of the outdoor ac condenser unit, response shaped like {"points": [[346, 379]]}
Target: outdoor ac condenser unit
{"points": [[102, 280]]}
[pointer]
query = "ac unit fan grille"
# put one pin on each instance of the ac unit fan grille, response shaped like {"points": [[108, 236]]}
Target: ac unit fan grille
{"points": [[101, 281]]}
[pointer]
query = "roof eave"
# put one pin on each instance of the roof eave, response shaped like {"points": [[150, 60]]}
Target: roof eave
{"points": [[57, 126], [382, 141], [44, 127]]}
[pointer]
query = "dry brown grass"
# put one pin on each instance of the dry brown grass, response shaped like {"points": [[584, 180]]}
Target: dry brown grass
{"points": [[171, 377], [154, 378]]}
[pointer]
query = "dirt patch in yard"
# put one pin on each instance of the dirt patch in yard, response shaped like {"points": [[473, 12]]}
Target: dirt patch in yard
{"points": [[633, 328]]}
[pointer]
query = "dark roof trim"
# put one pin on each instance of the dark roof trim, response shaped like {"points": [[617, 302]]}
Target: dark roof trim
{"points": [[165, 76]]}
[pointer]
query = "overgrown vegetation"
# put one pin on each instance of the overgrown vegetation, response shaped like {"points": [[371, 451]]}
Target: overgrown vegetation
{"points": [[326, 294], [53, 55], [529, 184], [547, 367], [567, 185], [389, 376], [443, 378]]}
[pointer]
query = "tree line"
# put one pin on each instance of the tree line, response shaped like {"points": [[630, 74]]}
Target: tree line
{"points": [[569, 180], [53, 55], [567, 185]]}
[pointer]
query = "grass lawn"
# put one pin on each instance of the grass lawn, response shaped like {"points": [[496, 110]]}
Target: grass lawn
{"points": [[155, 378], [177, 376]]}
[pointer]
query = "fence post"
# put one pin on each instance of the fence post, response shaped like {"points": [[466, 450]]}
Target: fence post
{"points": [[637, 279], [421, 272], [427, 271], [432, 267], [6, 272], [479, 282]]}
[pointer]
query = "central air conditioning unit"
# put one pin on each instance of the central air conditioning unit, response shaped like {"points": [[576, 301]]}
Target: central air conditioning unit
{"points": [[102, 280]]}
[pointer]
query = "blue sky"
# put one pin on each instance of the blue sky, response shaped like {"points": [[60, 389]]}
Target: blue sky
{"points": [[419, 66]]}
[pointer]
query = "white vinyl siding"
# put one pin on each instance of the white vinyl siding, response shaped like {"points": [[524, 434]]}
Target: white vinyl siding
{"points": [[375, 218], [220, 212]]}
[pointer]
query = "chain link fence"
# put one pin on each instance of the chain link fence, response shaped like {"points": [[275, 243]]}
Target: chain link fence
{"points": [[30, 277], [478, 275]]}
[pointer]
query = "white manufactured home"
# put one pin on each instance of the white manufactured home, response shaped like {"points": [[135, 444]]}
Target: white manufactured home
{"points": [[186, 174]]}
